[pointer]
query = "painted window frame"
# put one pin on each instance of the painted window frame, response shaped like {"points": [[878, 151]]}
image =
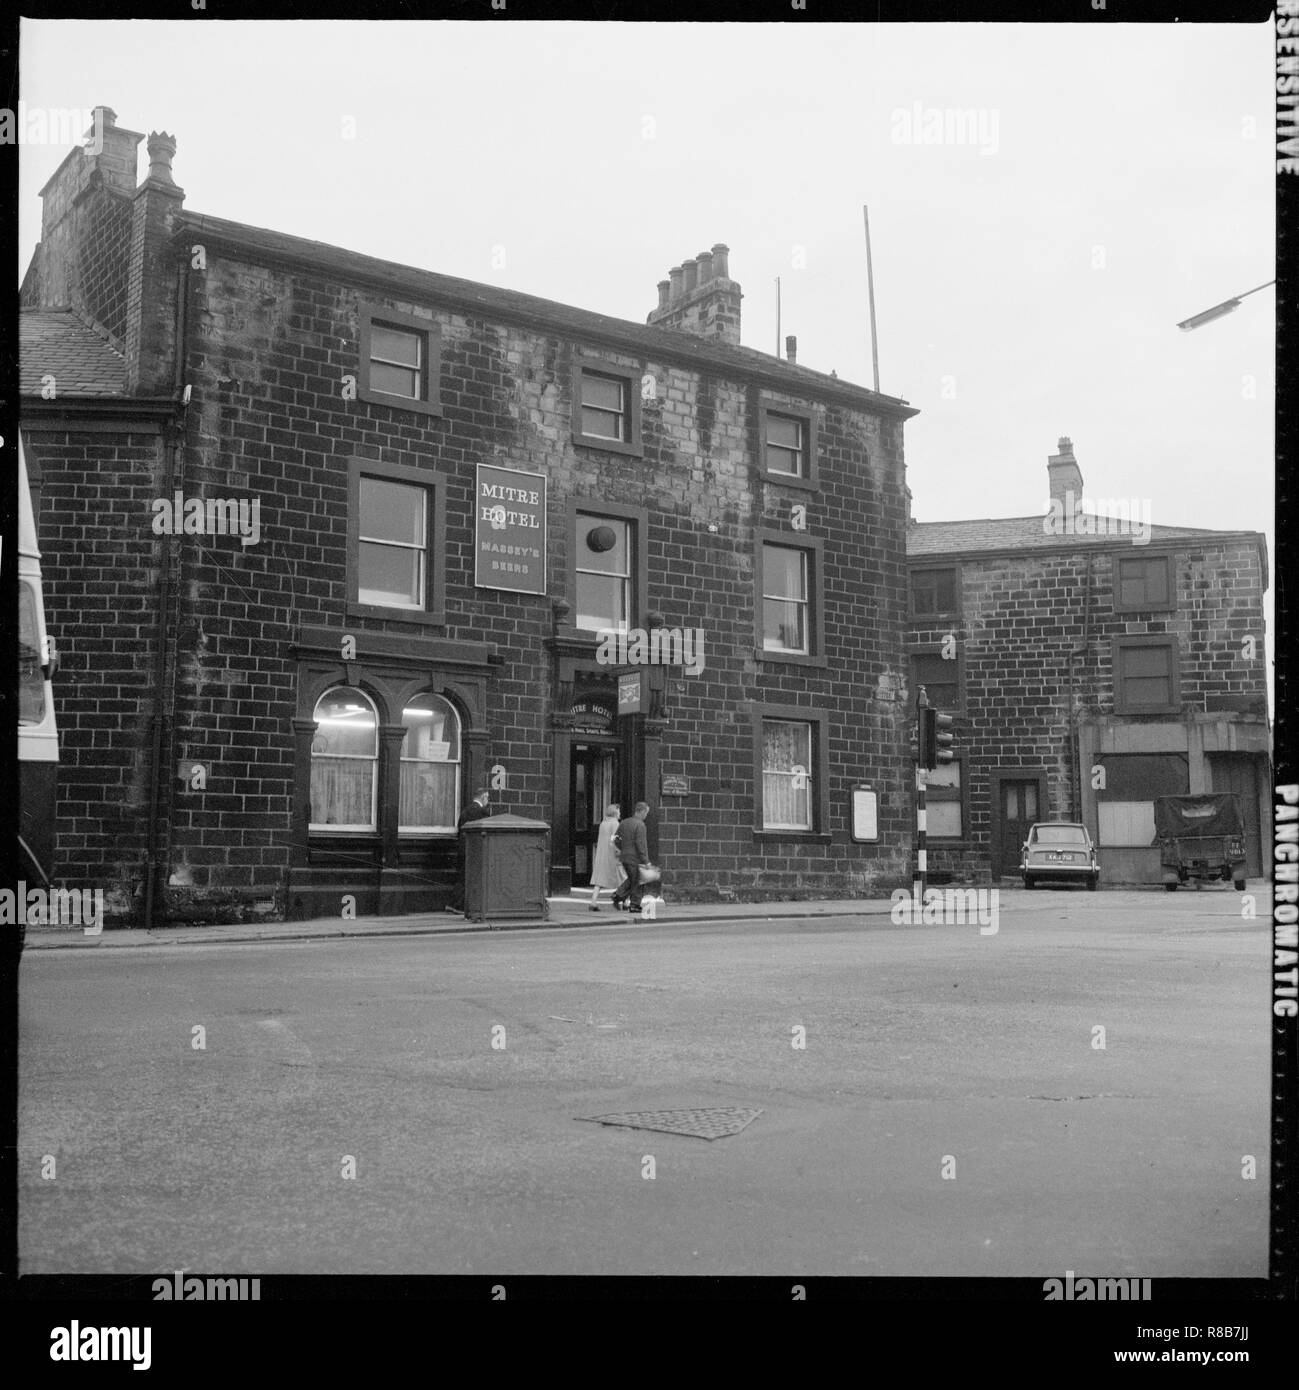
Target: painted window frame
{"points": [[326, 828], [1118, 645], [584, 362], [809, 479], [637, 519], [1168, 606], [432, 832], [814, 549], [959, 795], [370, 314], [934, 649], [433, 614], [936, 618], [819, 720]]}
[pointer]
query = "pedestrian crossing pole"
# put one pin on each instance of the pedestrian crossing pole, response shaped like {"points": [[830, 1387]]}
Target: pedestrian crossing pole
{"points": [[922, 860]]}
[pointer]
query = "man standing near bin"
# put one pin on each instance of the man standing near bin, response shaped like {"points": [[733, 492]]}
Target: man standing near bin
{"points": [[633, 851], [476, 810]]}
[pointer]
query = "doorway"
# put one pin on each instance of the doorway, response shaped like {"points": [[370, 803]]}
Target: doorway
{"points": [[592, 785], [1017, 804], [1238, 772]]}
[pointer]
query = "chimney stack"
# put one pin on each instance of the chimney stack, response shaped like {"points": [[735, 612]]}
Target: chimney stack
{"points": [[701, 298], [1063, 473], [791, 348], [151, 298], [82, 259]]}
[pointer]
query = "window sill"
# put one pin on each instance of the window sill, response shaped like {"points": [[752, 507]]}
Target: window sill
{"points": [[433, 407], [814, 837], [632, 448], [421, 618], [791, 480], [790, 658]]}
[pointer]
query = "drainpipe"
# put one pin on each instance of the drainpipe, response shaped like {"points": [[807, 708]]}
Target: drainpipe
{"points": [[1079, 652], [156, 854]]}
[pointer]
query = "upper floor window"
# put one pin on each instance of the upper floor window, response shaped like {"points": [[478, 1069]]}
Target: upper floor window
{"points": [[604, 573], [606, 406], [788, 597], [392, 560], [429, 797], [1143, 583], [784, 599], [395, 533], [344, 761], [787, 446], [1146, 675], [933, 592], [399, 360]]}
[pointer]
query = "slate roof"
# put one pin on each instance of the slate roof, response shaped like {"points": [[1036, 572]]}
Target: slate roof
{"points": [[81, 359], [491, 301], [1014, 533]]}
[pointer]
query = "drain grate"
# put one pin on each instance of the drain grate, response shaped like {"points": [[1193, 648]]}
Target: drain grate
{"points": [[714, 1122]]}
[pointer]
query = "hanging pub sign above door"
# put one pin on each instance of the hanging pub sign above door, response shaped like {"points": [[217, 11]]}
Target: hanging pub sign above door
{"points": [[510, 530]]}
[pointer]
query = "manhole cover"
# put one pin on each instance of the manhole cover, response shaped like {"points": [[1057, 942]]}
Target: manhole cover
{"points": [[713, 1123]]}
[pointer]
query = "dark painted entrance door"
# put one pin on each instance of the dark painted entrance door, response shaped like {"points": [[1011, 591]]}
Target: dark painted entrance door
{"points": [[593, 783], [1238, 772], [1017, 811]]}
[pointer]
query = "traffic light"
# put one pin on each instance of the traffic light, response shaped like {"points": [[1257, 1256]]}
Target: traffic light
{"points": [[935, 738]]}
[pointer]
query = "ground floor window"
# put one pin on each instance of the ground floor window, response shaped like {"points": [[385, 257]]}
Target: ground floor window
{"points": [[944, 809], [430, 766], [344, 761], [786, 775]]}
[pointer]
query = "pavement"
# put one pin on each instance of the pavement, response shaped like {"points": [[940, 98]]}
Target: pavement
{"points": [[571, 911]]}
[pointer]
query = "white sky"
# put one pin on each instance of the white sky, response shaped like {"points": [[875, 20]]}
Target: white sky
{"points": [[1154, 143]]}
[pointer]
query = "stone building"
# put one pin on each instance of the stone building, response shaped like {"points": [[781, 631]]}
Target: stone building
{"points": [[333, 541], [1091, 667]]}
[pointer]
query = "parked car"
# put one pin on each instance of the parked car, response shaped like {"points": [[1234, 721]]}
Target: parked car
{"points": [[1199, 838], [1060, 852]]}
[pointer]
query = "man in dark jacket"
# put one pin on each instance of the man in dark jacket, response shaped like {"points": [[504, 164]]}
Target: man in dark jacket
{"points": [[476, 810], [633, 851]]}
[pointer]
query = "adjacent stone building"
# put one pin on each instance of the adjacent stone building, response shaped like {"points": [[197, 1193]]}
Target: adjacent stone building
{"points": [[330, 542], [1091, 667]]}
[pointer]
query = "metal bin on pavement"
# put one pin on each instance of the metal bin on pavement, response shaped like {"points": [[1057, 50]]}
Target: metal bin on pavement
{"points": [[507, 864]]}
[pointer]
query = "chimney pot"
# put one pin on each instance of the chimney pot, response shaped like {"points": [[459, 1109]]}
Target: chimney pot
{"points": [[791, 348], [704, 260], [675, 273], [665, 288], [162, 149], [1062, 471], [689, 275], [720, 253], [103, 117]]}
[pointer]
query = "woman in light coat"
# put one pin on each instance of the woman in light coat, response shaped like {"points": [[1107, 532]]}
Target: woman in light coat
{"points": [[606, 869]]}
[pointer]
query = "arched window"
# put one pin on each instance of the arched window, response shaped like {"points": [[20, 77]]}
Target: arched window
{"points": [[430, 766], [344, 760]]}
